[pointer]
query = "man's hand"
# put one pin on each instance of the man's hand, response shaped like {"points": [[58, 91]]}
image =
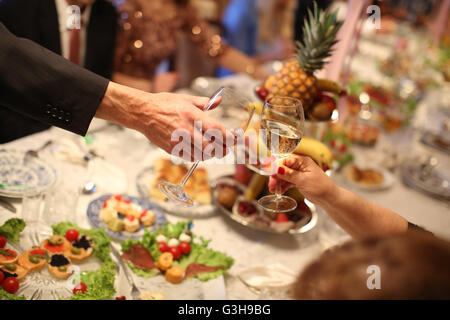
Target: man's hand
{"points": [[157, 115]]}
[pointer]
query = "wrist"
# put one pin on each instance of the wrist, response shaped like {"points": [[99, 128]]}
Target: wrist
{"points": [[123, 105], [330, 196]]}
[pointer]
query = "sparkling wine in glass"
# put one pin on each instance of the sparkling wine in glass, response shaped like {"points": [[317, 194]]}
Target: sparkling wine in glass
{"points": [[282, 125]]}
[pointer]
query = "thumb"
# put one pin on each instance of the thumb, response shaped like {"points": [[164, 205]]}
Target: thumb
{"points": [[204, 103]]}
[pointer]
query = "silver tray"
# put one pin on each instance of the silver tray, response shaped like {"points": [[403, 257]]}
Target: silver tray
{"points": [[436, 185], [430, 139], [300, 228]]}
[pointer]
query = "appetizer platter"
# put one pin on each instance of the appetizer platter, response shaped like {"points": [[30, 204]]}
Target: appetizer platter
{"points": [[368, 178], [20, 177], [123, 216], [174, 258], [163, 169], [236, 196], [73, 263]]}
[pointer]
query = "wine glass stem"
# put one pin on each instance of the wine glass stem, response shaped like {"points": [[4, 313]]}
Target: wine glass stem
{"points": [[277, 195], [189, 173]]}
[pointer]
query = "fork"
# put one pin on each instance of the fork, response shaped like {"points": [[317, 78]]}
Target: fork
{"points": [[135, 292], [34, 153]]}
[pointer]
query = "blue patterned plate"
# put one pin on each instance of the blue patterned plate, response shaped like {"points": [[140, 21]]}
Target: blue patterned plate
{"points": [[18, 179], [93, 213]]}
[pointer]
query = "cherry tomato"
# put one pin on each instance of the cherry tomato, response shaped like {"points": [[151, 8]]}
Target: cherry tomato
{"points": [[185, 247], [9, 254], [343, 148], [176, 252], [2, 241], [11, 285], [332, 143], [72, 235], [2, 277], [118, 197], [80, 287], [262, 92], [105, 204], [282, 217], [121, 298], [41, 252], [163, 247]]}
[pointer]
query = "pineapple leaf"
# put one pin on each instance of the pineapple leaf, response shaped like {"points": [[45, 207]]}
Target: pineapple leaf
{"points": [[319, 36]]}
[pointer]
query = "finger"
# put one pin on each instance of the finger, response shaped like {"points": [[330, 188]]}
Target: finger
{"points": [[273, 181], [298, 162], [277, 185], [204, 103], [287, 174], [212, 150], [222, 135]]}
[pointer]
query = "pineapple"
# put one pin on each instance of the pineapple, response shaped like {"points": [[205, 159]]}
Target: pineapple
{"points": [[296, 77]]}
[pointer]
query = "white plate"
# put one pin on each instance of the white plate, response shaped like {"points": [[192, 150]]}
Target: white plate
{"points": [[95, 206], [196, 211], [146, 175], [388, 179], [32, 178], [191, 289]]}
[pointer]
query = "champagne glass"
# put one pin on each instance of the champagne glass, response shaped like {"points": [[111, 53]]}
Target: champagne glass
{"points": [[282, 125], [227, 98]]}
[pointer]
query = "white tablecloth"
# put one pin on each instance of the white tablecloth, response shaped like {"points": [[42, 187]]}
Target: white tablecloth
{"points": [[128, 151]]}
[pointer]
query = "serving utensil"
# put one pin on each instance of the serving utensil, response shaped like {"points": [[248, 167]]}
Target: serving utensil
{"points": [[135, 292], [34, 153], [8, 206]]}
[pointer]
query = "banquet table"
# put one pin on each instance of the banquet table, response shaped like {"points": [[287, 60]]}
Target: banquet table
{"points": [[129, 151]]}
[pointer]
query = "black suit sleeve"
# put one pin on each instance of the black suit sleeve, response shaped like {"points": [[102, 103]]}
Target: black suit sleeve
{"points": [[39, 84]]}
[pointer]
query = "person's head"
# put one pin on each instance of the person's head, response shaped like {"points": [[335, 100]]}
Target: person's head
{"points": [[414, 265]]}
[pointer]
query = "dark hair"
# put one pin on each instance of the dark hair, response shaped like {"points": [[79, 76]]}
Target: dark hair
{"points": [[413, 265]]}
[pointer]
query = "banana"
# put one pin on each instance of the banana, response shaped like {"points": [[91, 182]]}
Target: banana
{"points": [[318, 151], [256, 185], [330, 86], [258, 106]]}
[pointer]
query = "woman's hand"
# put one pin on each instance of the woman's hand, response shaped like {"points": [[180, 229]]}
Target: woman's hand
{"points": [[302, 172]]}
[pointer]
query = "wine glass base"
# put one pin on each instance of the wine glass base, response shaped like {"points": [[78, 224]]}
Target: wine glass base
{"points": [[273, 203], [175, 193]]}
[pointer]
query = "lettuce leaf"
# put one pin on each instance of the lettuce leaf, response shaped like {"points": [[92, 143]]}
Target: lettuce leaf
{"points": [[12, 228], [143, 273], [9, 296], [148, 241], [100, 283], [101, 240], [200, 253]]}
